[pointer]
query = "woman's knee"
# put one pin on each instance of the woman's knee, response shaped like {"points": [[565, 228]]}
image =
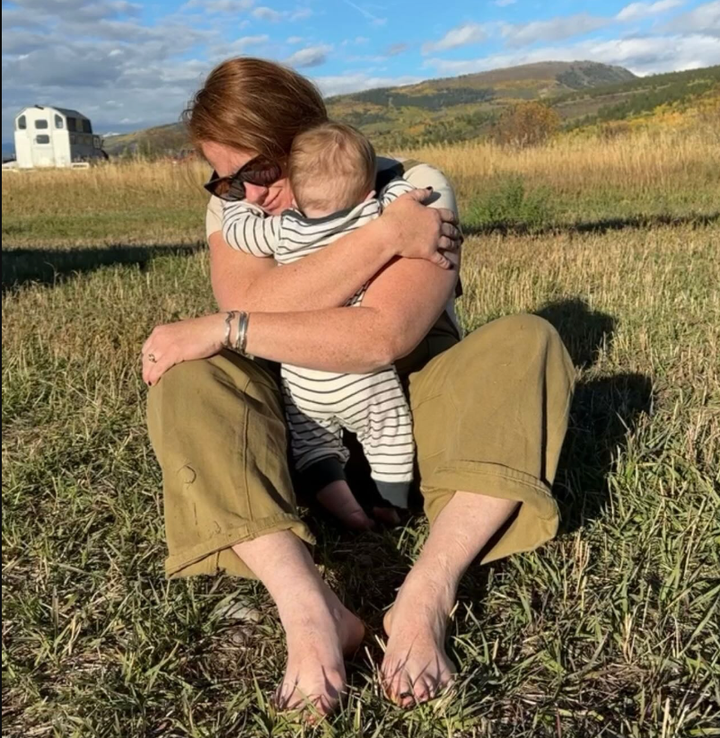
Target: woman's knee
{"points": [[194, 389], [520, 334], [186, 382], [530, 329]]}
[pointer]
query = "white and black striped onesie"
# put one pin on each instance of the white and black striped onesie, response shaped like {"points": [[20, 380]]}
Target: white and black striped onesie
{"points": [[320, 404]]}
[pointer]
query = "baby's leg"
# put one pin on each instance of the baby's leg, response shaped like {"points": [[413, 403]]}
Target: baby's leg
{"points": [[320, 458], [385, 432]]}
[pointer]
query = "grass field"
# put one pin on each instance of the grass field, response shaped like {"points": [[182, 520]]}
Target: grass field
{"points": [[610, 630]]}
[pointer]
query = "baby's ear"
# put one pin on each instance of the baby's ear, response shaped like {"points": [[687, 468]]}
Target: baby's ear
{"points": [[371, 195]]}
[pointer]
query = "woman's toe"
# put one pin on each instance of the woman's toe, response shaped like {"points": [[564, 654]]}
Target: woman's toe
{"points": [[395, 684], [426, 689]]}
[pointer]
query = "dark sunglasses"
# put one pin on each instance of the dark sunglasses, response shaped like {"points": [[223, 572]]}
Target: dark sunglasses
{"points": [[259, 171]]}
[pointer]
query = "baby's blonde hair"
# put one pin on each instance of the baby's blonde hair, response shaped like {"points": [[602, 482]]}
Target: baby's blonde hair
{"points": [[331, 168]]}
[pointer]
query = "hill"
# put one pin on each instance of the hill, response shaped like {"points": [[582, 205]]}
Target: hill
{"points": [[465, 107]]}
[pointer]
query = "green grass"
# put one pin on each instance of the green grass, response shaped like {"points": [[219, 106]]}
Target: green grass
{"points": [[610, 630]]}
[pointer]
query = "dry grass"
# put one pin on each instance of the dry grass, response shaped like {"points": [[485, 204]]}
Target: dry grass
{"points": [[648, 174], [610, 630], [643, 161]]}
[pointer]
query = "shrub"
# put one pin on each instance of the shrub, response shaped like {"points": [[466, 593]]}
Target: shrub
{"points": [[526, 124], [510, 205]]}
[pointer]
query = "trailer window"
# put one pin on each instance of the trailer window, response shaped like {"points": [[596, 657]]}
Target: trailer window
{"points": [[59, 122], [22, 123], [41, 124], [42, 139]]}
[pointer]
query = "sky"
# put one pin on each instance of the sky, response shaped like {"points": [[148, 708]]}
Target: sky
{"points": [[130, 65]]}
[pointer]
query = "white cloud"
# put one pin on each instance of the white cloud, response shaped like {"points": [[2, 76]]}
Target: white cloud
{"points": [[219, 6], [556, 29], [703, 19], [518, 34], [396, 49], [78, 56], [357, 81], [275, 16], [312, 56], [300, 14], [240, 44], [292, 40], [640, 11], [642, 55], [504, 3], [36, 14], [23, 42], [468, 33], [357, 41], [267, 14]]}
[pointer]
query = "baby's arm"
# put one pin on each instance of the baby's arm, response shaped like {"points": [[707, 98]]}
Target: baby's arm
{"points": [[396, 188], [248, 229]]}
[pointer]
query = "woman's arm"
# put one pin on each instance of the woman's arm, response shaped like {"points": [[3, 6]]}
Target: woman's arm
{"points": [[330, 277], [401, 305], [398, 310]]}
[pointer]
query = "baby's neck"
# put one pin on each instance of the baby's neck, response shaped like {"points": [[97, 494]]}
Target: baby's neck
{"points": [[320, 213]]}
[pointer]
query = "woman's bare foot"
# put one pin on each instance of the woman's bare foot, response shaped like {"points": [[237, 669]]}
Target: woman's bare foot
{"points": [[319, 638], [416, 667], [337, 498]]}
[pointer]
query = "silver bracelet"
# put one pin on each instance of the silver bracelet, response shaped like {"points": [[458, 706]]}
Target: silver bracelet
{"points": [[236, 347], [228, 328], [241, 340]]}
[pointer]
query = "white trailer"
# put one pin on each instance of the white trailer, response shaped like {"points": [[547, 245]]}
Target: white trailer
{"points": [[54, 137]]}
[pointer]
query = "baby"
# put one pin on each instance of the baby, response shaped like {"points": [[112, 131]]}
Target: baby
{"points": [[332, 175]]}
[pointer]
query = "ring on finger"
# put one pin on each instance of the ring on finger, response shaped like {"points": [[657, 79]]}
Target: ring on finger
{"points": [[152, 359]]}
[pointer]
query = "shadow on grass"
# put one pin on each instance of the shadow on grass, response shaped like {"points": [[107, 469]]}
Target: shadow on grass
{"points": [[48, 266], [604, 413], [604, 225]]}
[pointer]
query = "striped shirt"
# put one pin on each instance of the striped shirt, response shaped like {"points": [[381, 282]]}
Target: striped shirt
{"points": [[291, 236], [319, 405]]}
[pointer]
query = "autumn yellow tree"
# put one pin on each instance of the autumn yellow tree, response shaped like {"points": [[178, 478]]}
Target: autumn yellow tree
{"points": [[526, 124]]}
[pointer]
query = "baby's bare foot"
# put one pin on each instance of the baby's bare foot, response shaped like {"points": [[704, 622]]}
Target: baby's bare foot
{"points": [[387, 516], [318, 642], [337, 498], [416, 667]]}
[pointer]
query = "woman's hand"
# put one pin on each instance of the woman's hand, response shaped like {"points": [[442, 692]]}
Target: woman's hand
{"points": [[422, 232], [187, 340]]}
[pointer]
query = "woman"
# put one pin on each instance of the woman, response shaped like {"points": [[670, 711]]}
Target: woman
{"points": [[490, 411]]}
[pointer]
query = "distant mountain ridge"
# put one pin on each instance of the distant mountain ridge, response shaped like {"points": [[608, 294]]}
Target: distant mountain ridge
{"points": [[464, 107]]}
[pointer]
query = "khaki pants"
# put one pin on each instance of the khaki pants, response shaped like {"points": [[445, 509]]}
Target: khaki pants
{"points": [[490, 414]]}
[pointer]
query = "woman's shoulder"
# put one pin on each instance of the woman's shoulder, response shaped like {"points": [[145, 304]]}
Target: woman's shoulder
{"points": [[213, 216], [418, 173]]}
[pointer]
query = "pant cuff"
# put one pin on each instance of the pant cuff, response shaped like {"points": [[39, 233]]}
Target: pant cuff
{"points": [[537, 519], [319, 474], [216, 554], [396, 493]]}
